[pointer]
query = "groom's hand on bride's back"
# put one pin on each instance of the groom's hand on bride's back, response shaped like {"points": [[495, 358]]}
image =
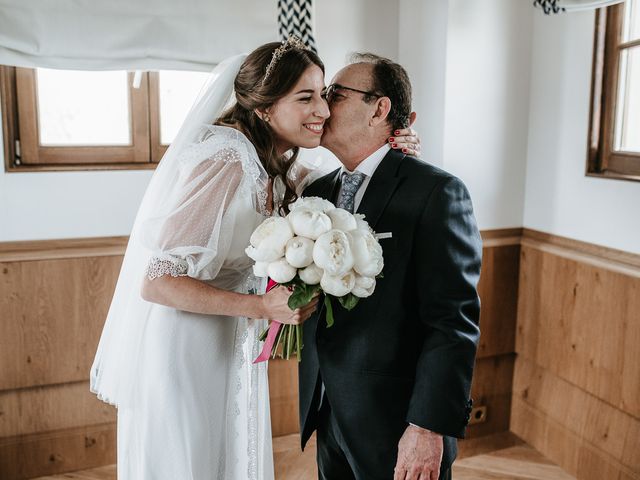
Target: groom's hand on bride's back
{"points": [[275, 307], [406, 139]]}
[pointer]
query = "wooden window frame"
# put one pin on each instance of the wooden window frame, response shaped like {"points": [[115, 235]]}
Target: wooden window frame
{"points": [[19, 118], [157, 148], [602, 160]]}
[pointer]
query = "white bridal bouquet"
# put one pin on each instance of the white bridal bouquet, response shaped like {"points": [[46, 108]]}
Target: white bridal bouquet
{"points": [[315, 248]]}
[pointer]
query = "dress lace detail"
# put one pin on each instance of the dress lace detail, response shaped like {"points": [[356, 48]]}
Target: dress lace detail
{"points": [[160, 266], [247, 348], [252, 447]]}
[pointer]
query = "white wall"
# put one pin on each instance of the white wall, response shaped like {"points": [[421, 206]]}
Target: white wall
{"points": [[104, 203], [559, 198], [486, 105], [422, 50], [502, 94], [469, 63]]}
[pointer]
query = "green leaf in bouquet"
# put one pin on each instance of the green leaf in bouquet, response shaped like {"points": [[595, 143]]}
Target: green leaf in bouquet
{"points": [[290, 339], [302, 295], [274, 351], [263, 335], [349, 301], [327, 305]]}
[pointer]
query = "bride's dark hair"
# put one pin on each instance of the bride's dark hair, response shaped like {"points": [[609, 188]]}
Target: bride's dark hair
{"points": [[254, 92]]}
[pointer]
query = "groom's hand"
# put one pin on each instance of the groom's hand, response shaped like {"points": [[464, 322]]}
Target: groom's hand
{"points": [[419, 455]]}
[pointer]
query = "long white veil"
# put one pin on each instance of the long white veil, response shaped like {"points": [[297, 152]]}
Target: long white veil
{"points": [[116, 364]]}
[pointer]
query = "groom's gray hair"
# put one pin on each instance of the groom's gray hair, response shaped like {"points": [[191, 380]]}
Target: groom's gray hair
{"points": [[389, 80]]}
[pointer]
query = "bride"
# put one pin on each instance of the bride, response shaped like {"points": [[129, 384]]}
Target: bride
{"points": [[176, 351]]}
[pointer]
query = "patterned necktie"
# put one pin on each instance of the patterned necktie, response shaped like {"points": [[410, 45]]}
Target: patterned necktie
{"points": [[350, 184]]}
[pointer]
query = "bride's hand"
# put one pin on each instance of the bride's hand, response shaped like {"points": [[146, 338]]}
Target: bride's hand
{"points": [[276, 308], [406, 139]]}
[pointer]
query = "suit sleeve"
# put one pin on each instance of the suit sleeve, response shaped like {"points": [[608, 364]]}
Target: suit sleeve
{"points": [[447, 259]]}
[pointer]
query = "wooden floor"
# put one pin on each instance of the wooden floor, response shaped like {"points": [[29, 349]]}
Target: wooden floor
{"points": [[519, 462], [514, 463]]}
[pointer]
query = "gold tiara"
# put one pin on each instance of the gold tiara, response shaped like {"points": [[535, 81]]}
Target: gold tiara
{"points": [[292, 43]]}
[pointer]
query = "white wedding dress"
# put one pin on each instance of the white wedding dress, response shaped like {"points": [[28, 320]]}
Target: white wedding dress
{"points": [[198, 407], [191, 404]]}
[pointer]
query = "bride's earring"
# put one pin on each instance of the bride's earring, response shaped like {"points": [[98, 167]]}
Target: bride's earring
{"points": [[266, 118]]}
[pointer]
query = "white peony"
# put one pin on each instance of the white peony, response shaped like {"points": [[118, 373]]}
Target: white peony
{"points": [[367, 253], [361, 222], [299, 252], [311, 275], [309, 223], [316, 204], [364, 286], [260, 269], [338, 285], [342, 220], [280, 271], [272, 227], [264, 253], [269, 240], [332, 253]]}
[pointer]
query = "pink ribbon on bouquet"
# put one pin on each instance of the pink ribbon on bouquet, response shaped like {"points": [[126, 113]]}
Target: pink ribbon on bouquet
{"points": [[274, 328]]}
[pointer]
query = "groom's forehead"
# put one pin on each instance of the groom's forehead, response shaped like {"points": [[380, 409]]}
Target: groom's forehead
{"points": [[355, 75]]}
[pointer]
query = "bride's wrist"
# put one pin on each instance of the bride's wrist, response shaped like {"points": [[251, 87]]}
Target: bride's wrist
{"points": [[257, 307]]}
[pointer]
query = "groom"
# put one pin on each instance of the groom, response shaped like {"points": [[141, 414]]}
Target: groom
{"points": [[387, 386]]}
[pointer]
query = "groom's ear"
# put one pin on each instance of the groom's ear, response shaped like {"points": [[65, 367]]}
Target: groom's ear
{"points": [[381, 112]]}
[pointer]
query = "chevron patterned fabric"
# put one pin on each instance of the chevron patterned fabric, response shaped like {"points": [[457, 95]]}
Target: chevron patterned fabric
{"points": [[294, 18]]}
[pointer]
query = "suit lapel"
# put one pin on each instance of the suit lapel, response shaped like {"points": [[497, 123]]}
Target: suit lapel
{"points": [[326, 187], [381, 187]]}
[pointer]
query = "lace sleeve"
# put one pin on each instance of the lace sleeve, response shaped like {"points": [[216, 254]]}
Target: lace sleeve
{"points": [[159, 266], [190, 235]]}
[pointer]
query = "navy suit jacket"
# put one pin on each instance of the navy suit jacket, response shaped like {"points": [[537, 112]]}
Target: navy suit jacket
{"points": [[406, 353]]}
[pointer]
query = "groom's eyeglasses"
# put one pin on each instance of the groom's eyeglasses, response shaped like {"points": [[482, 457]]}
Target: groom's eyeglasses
{"points": [[330, 93]]}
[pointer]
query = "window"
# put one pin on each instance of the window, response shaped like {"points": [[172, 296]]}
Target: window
{"points": [[74, 120], [614, 137]]}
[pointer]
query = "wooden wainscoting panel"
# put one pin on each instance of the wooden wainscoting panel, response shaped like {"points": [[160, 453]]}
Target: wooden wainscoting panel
{"points": [[52, 316], [283, 396], [491, 388], [615, 433], [498, 290], [574, 454], [55, 407], [30, 456], [581, 322]]}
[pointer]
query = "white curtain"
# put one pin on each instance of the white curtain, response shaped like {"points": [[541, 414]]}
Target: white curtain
{"points": [[132, 34]]}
